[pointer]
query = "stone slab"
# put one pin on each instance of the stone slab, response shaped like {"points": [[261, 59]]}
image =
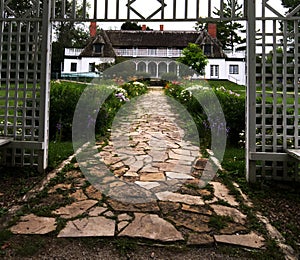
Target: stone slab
{"points": [[167, 207], [60, 186], [178, 167], [93, 193], [177, 197], [32, 224], [200, 239], [124, 217], [97, 211], [180, 157], [156, 176], [147, 184], [196, 209], [233, 228], [179, 176], [193, 221], [133, 207], [235, 214], [151, 226], [251, 240], [78, 195], [89, 227], [131, 174], [75, 209], [222, 193], [122, 224]]}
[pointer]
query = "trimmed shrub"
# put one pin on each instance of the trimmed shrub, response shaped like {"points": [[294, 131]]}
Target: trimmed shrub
{"points": [[63, 100], [233, 106], [64, 97], [170, 76]]}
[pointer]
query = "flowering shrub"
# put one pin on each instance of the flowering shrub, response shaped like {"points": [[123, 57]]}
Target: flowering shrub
{"points": [[135, 88], [64, 97], [233, 106]]}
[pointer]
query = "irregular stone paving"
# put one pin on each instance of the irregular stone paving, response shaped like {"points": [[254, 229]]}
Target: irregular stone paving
{"points": [[154, 190]]}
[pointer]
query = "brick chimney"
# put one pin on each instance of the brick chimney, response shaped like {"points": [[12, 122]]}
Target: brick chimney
{"points": [[212, 30], [93, 29], [144, 27], [161, 27]]}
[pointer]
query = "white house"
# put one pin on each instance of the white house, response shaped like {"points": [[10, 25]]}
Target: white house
{"points": [[232, 68], [107, 46]]}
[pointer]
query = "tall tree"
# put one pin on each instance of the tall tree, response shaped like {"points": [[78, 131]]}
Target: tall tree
{"points": [[193, 57], [19, 7], [290, 4], [228, 32], [68, 34], [132, 26]]}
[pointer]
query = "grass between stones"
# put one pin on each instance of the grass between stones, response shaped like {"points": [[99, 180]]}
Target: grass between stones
{"points": [[266, 197]]}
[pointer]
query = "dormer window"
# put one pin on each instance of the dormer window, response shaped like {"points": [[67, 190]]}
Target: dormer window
{"points": [[98, 48], [207, 49]]}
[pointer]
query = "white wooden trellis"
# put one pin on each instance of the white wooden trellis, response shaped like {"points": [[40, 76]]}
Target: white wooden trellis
{"points": [[272, 127], [24, 82], [273, 93]]}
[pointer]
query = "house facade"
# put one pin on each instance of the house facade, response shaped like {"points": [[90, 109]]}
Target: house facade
{"points": [[106, 46]]}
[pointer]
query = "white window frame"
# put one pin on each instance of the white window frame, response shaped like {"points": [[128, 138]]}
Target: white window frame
{"points": [[92, 67], [73, 64], [214, 71], [152, 52], [233, 69]]}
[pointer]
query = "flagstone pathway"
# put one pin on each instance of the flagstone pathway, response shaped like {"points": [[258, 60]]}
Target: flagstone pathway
{"points": [[158, 188]]}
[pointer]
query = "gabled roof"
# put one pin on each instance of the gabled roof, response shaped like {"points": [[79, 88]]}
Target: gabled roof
{"points": [[205, 39], [150, 39], [101, 38], [178, 39]]}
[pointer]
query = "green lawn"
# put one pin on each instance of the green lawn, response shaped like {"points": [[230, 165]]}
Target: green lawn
{"points": [[58, 152], [228, 85]]}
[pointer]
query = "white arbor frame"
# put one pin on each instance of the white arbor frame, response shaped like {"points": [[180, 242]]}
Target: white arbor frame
{"points": [[272, 119], [24, 83]]}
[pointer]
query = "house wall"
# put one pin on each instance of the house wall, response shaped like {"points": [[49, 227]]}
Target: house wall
{"points": [[83, 63], [224, 70], [239, 78], [67, 65], [149, 52]]}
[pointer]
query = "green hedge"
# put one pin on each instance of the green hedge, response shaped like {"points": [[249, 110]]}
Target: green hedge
{"points": [[63, 100], [64, 97], [233, 106]]}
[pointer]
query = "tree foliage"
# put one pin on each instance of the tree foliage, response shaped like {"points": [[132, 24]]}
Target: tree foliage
{"points": [[228, 32], [290, 4], [132, 26], [193, 57], [68, 34], [19, 8]]}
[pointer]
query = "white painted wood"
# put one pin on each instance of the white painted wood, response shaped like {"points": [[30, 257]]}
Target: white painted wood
{"points": [[4, 141], [295, 153]]}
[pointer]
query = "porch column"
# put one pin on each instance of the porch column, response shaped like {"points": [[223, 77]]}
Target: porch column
{"points": [[147, 66]]}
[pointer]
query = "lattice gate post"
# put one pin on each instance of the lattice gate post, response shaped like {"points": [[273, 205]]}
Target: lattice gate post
{"points": [[273, 93], [251, 91], [24, 82], [45, 81]]}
